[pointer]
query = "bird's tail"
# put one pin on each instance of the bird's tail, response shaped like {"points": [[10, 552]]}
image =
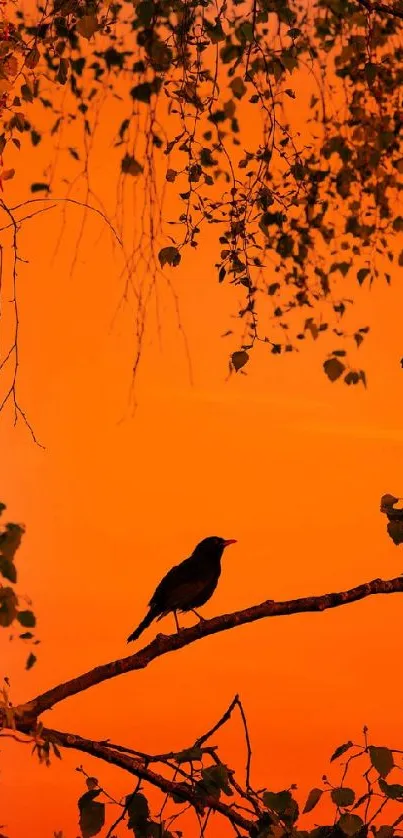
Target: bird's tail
{"points": [[143, 625]]}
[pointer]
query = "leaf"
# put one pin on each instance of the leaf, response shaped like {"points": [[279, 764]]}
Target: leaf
{"points": [[26, 618], [395, 531], [387, 502], [7, 174], [40, 187], [352, 377], [238, 87], [281, 802], [27, 93], [138, 812], [343, 267], [56, 750], [333, 368], [63, 71], [171, 175], [92, 813], [362, 274], [246, 30], [312, 327], [371, 71], [142, 92], [214, 32], [394, 791], [145, 11], [341, 750], [32, 58], [35, 137], [31, 660], [384, 832], [285, 246], [8, 569], [350, 824], [239, 359], [10, 540], [131, 166], [8, 606], [215, 779], [87, 26], [312, 799], [26, 635], [169, 256], [381, 759], [343, 796]]}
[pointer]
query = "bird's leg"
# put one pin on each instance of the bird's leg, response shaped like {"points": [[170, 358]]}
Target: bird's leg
{"points": [[199, 616], [178, 628]]}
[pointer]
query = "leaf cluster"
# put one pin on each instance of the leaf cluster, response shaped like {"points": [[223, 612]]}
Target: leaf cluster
{"points": [[12, 615], [302, 197]]}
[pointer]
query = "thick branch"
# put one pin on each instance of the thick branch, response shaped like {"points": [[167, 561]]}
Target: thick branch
{"points": [[139, 769], [170, 643]]}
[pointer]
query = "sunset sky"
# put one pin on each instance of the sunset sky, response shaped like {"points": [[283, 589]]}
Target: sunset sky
{"points": [[290, 465]]}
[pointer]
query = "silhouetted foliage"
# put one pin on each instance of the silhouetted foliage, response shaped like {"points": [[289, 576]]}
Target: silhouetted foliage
{"points": [[394, 516], [275, 124], [270, 813], [12, 615]]}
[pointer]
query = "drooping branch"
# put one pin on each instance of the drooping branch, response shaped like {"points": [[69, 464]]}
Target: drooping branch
{"points": [[163, 644], [138, 768]]}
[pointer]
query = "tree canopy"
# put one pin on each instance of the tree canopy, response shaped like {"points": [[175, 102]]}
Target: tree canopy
{"points": [[268, 131]]}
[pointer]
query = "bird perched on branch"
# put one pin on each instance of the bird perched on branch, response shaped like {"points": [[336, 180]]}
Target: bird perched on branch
{"points": [[188, 585]]}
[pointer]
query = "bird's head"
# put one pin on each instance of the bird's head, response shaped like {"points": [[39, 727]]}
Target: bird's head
{"points": [[212, 547]]}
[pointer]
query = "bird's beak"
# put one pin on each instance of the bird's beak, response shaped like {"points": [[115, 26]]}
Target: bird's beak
{"points": [[229, 541]]}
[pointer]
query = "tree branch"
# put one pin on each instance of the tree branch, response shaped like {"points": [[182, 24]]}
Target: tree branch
{"points": [[26, 714], [139, 769]]}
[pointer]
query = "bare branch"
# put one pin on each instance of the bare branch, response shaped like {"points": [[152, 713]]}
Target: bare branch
{"points": [[224, 718], [163, 644], [81, 204]]}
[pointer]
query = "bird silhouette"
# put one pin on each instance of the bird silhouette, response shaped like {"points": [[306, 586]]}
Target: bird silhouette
{"points": [[188, 585]]}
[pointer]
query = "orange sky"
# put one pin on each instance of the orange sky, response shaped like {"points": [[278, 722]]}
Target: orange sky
{"points": [[287, 463]]}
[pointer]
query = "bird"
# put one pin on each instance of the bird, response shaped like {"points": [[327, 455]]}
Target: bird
{"points": [[187, 585]]}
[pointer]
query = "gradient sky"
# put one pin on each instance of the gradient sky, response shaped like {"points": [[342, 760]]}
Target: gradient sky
{"points": [[287, 463]]}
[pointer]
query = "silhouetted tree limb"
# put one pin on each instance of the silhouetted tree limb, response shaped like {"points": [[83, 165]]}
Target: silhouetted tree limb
{"points": [[138, 768], [27, 714]]}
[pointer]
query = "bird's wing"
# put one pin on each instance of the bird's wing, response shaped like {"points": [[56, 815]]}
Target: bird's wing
{"points": [[180, 584], [179, 573]]}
